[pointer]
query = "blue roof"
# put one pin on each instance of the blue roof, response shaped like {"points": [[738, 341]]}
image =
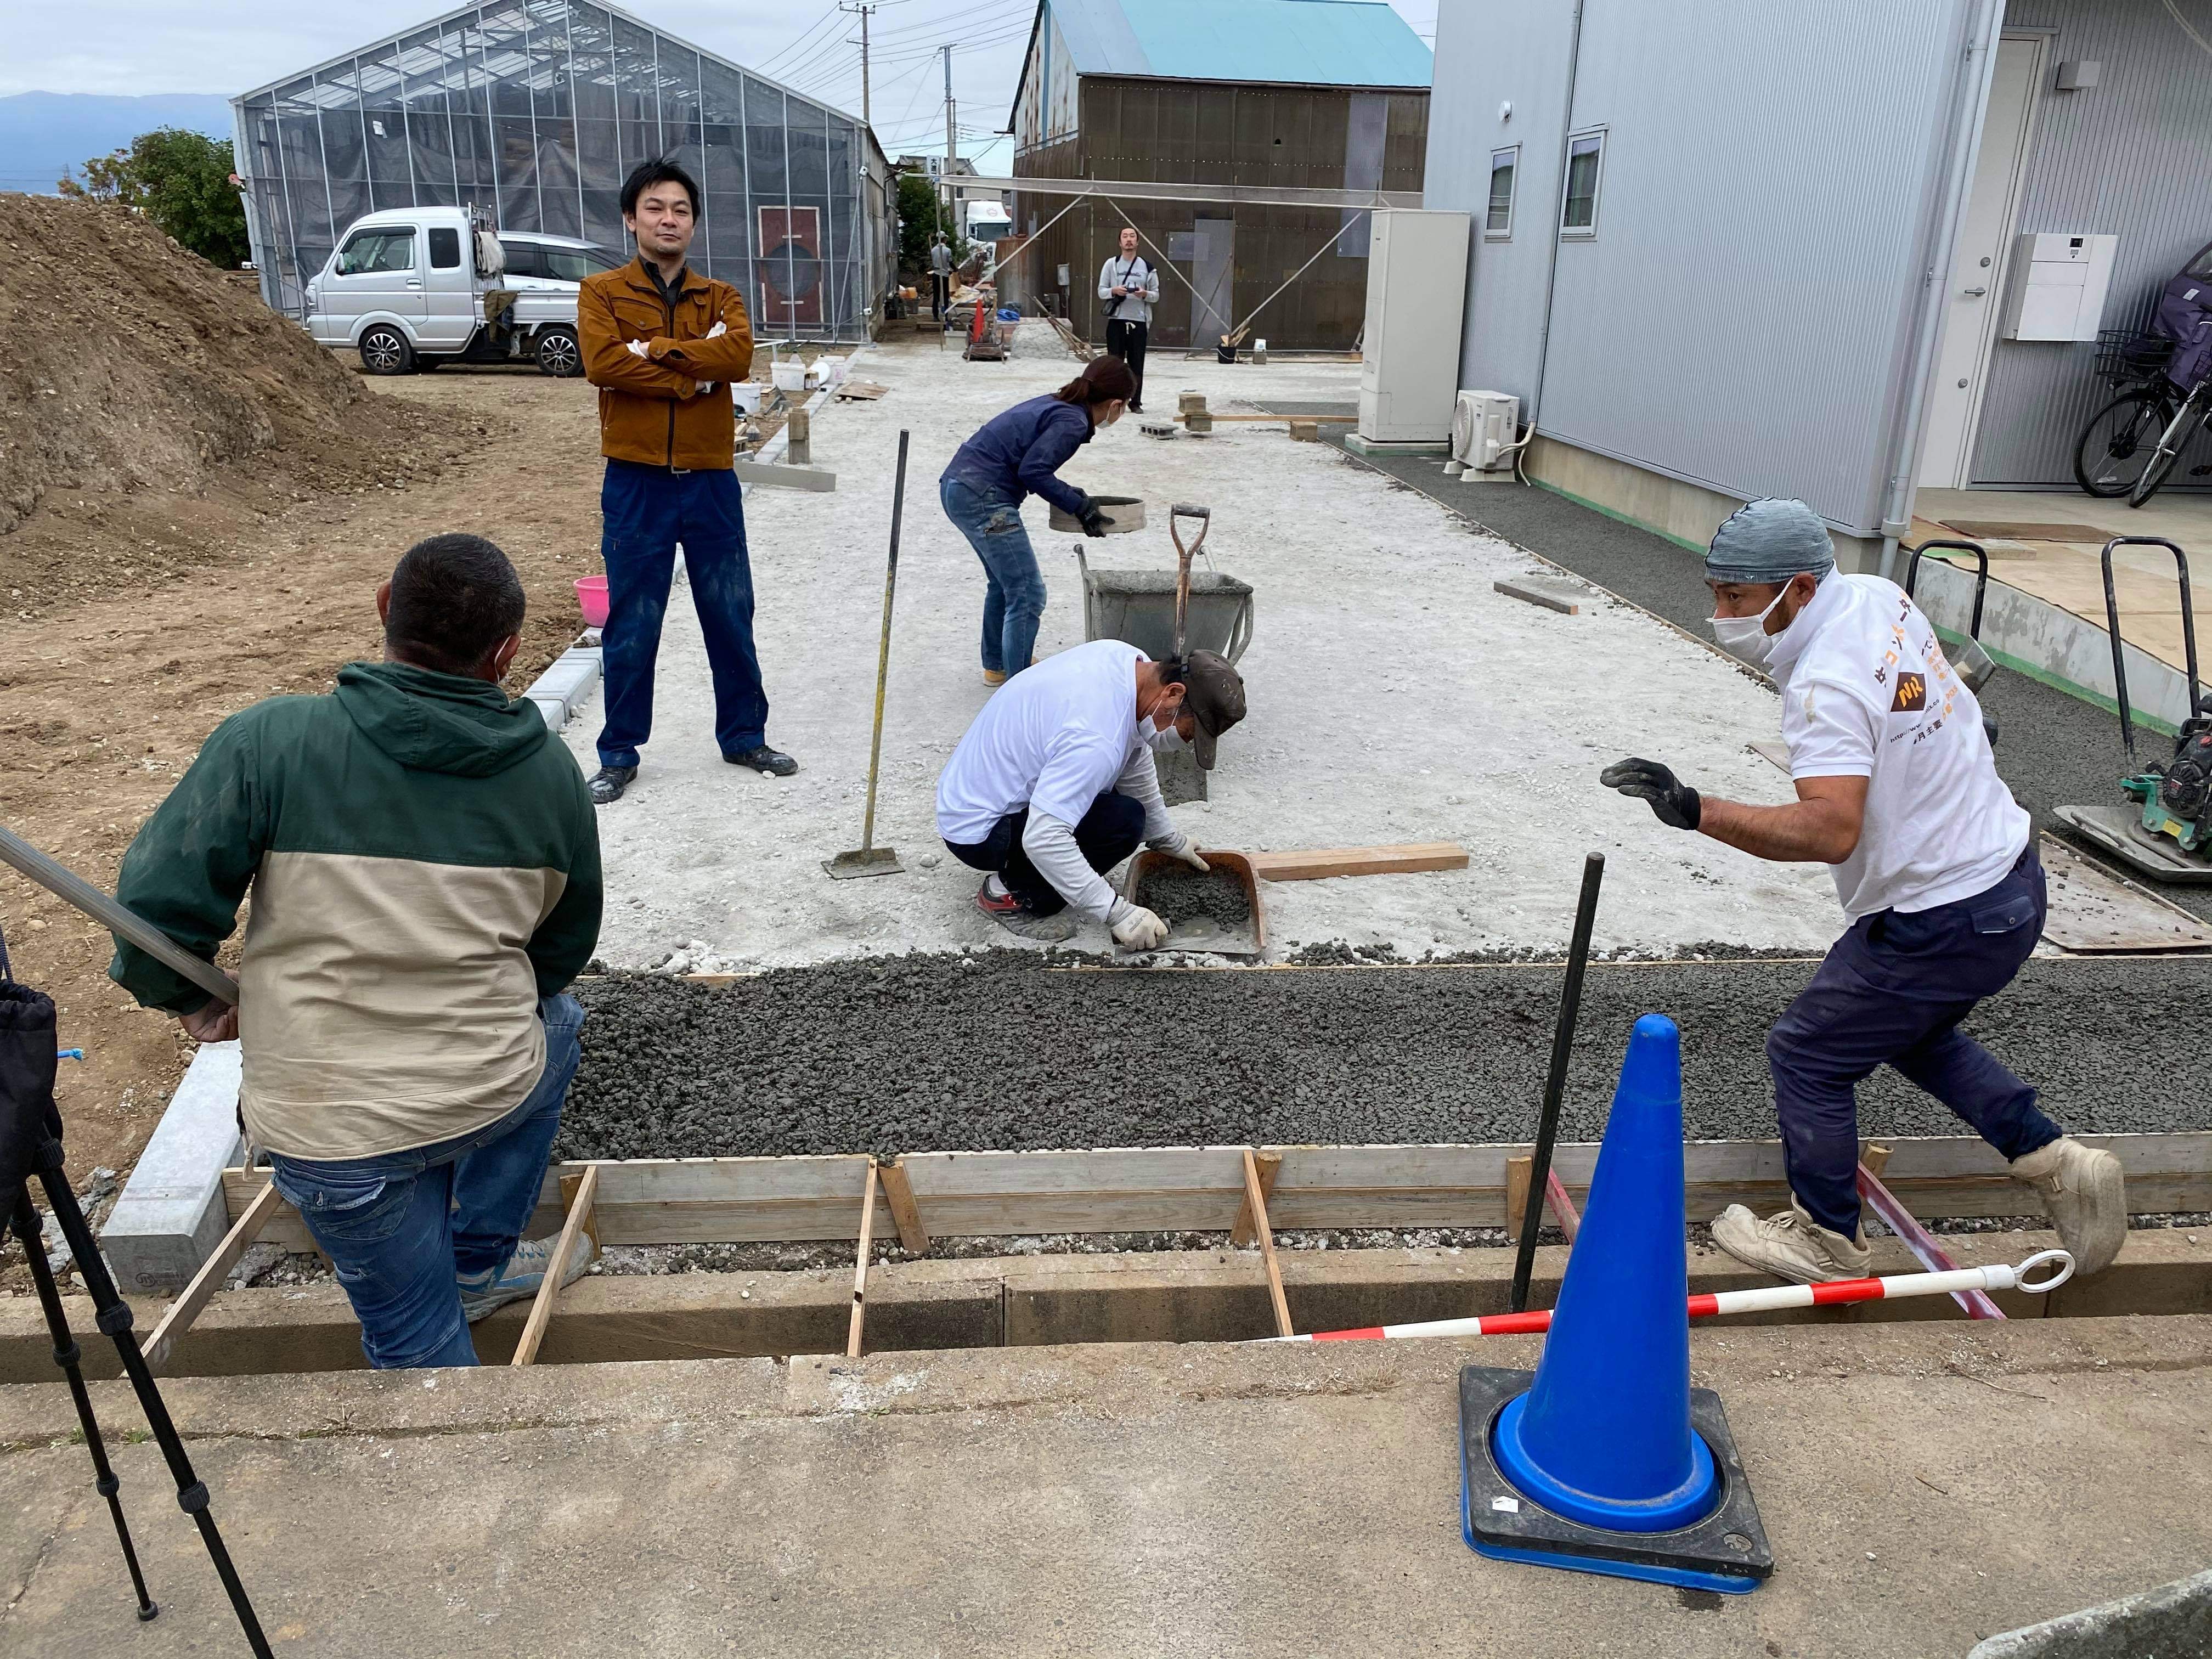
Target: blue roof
{"points": [[1326, 43]]}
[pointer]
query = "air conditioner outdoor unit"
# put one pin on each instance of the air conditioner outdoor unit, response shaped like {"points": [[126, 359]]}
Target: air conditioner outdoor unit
{"points": [[1485, 425]]}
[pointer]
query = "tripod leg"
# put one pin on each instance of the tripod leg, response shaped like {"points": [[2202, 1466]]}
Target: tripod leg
{"points": [[66, 1355], [114, 1322]]}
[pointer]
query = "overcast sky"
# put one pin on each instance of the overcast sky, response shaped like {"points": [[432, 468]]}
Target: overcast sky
{"points": [[229, 45]]}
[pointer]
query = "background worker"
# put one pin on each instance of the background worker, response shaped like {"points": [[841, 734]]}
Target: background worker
{"points": [[1013, 456], [1055, 784], [1935, 866], [660, 343], [1131, 287], [425, 871], [940, 277]]}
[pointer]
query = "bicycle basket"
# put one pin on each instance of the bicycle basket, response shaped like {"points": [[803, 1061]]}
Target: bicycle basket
{"points": [[2130, 354]]}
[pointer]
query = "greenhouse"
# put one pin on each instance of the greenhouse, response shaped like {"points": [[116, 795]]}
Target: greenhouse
{"points": [[534, 110]]}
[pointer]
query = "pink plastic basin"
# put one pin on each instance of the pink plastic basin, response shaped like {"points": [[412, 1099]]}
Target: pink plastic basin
{"points": [[591, 596]]}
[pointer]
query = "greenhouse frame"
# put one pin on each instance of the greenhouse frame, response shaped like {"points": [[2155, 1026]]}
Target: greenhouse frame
{"points": [[534, 110]]}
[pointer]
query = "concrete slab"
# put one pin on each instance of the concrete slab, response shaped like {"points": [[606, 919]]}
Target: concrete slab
{"points": [[1114, 1500], [1475, 719]]}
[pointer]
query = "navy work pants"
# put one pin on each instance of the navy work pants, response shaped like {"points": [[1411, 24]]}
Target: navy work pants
{"points": [[1108, 833], [647, 511], [1892, 993]]}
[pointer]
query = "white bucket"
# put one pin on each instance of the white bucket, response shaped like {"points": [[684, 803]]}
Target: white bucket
{"points": [[828, 371], [788, 377], [747, 395]]}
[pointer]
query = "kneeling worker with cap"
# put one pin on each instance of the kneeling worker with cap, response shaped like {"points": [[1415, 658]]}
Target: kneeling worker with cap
{"points": [[1935, 863], [1054, 785]]}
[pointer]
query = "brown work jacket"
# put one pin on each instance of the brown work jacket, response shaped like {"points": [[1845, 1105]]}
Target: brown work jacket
{"points": [[650, 409]]}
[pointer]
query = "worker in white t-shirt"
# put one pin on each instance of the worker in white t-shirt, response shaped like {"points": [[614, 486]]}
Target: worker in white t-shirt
{"points": [[1055, 784], [1935, 863]]}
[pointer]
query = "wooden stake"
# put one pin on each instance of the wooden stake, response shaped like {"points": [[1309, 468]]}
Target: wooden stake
{"points": [[1520, 1175], [1258, 1202], [1270, 1165], [1562, 1207], [549, 1291], [1874, 1158], [898, 1193], [178, 1317], [860, 1269]]}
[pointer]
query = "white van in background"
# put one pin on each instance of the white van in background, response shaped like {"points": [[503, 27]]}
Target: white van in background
{"points": [[412, 287]]}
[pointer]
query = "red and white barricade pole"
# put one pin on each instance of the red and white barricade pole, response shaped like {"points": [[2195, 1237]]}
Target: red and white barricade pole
{"points": [[1890, 1288]]}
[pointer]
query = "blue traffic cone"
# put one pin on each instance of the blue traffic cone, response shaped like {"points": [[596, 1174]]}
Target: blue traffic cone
{"points": [[1603, 1455]]}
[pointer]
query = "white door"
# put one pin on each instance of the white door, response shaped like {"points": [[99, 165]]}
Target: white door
{"points": [[449, 289], [377, 273], [1977, 265]]}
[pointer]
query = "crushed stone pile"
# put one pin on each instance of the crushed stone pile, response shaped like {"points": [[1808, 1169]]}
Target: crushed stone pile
{"points": [[995, 1051]]}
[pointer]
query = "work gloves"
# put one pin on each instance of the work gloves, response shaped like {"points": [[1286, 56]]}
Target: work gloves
{"points": [[1674, 802], [1140, 929], [1092, 518], [1180, 845]]}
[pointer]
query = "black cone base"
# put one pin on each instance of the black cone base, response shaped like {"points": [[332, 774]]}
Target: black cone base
{"points": [[1726, 1552]]}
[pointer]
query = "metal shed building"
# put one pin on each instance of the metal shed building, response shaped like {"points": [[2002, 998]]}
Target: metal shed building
{"points": [[535, 110], [1725, 249], [1289, 94]]}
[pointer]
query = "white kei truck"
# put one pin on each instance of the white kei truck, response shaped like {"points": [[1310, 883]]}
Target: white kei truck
{"points": [[411, 287]]}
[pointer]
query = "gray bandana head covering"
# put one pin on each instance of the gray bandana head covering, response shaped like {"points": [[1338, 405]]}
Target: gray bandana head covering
{"points": [[1770, 541]]}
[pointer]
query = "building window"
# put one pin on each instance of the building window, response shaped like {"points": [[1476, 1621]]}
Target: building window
{"points": [[1585, 168], [1503, 164]]}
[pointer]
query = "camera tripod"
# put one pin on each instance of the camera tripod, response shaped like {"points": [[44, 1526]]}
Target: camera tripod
{"points": [[30, 1145]]}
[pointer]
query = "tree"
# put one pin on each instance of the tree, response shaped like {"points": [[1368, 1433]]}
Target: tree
{"points": [[918, 215], [180, 181]]}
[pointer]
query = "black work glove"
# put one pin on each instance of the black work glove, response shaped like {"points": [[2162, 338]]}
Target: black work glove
{"points": [[1092, 518], [1674, 802]]}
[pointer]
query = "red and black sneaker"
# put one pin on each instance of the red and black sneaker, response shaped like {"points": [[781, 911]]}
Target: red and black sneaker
{"points": [[1017, 919]]}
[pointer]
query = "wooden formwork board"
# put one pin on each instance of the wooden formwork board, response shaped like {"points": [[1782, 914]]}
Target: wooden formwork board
{"points": [[1203, 1188]]}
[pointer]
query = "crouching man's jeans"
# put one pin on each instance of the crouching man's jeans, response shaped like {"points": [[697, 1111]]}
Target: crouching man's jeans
{"points": [[402, 1228]]}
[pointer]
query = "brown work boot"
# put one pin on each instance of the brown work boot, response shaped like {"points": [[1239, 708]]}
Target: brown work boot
{"points": [[2084, 1193], [1791, 1244]]}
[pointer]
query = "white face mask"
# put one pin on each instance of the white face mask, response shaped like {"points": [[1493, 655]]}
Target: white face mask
{"points": [[1165, 742], [1747, 636]]}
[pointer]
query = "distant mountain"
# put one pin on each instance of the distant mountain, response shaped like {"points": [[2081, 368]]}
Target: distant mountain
{"points": [[43, 133]]}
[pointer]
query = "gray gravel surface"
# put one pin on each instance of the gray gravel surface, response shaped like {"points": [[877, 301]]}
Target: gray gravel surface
{"points": [[996, 1050], [2052, 749], [1179, 894]]}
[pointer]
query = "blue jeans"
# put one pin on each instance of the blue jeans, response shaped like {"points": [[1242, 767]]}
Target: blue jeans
{"points": [[1892, 991], [1013, 600], [1108, 833], [402, 1228], [646, 511]]}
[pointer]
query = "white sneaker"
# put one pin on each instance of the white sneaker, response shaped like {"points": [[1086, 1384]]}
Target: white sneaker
{"points": [[481, 1293], [2084, 1193], [1791, 1244]]}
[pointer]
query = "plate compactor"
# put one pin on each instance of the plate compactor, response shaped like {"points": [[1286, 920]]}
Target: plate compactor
{"points": [[2166, 830]]}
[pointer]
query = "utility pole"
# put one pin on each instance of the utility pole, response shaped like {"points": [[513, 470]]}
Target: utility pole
{"points": [[952, 142], [864, 12]]}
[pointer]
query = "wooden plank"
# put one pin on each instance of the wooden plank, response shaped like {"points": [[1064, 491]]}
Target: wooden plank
{"points": [[1562, 1207], [549, 1289], [1246, 1227], [905, 1212], [860, 1269], [1331, 420], [1520, 1177], [1321, 863], [177, 1318], [570, 1185], [1256, 1202]]}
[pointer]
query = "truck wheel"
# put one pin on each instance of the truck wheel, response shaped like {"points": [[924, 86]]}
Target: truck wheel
{"points": [[558, 354], [386, 350]]}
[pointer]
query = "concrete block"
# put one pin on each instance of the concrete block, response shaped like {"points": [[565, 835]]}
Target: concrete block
{"points": [[1552, 596], [2170, 1622], [171, 1215], [554, 709], [782, 475]]}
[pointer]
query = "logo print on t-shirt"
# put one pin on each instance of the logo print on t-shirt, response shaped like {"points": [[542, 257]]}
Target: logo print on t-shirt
{"points": [[1912, 694]]}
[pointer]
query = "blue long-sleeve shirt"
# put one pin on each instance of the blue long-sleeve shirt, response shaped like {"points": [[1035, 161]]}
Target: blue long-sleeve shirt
{"points": [[1021, 451]]}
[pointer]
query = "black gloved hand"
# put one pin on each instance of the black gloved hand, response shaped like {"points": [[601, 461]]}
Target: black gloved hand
{"points": [[1674, 802], [1092, 518]]}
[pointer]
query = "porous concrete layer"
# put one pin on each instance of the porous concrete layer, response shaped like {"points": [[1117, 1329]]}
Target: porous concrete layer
{"points": [[949, 1052], [1393, 696], [1922, 1486]]}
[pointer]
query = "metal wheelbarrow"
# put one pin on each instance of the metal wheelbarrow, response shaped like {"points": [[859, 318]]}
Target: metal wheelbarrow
{"points": [[1164, 612]]}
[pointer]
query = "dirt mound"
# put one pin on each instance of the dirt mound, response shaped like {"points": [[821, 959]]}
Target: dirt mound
{"points": [[142, 386]]}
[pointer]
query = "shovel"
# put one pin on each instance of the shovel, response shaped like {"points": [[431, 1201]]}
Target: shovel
{"points": [[1184, 557], [868, 859]]}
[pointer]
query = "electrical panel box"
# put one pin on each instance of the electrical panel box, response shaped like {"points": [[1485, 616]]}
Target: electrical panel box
{"points": [[2057, 287], [1416, 307]]}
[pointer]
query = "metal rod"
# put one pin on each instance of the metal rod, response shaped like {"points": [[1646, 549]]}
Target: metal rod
{"points": [[73, 889], [884, 651], [1555, 1081], [1981, 580], [2120, 657]]}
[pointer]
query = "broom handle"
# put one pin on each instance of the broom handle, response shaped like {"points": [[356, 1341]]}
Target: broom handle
{"points": [[883, 652], [72, 888]]}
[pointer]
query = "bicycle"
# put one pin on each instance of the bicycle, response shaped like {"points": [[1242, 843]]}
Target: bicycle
{"points": [[2131, 445]]}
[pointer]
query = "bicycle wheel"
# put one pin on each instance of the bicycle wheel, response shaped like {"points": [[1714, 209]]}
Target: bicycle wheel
{"points": [[2120, 440], [2167, 450]]}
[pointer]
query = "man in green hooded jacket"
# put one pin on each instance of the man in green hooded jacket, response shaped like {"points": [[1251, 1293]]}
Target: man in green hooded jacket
{"points": [[424, 868]]}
